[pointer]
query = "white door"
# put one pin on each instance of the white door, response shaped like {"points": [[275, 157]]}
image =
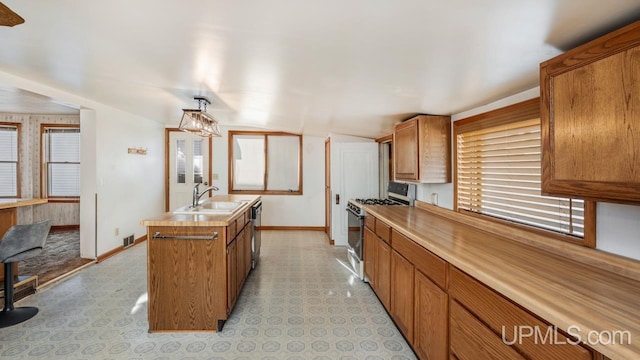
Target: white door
{"points": [[354, 174], [188, 165]]}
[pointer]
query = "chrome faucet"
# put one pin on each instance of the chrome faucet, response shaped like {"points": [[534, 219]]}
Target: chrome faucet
{"points": [[197, 195]]}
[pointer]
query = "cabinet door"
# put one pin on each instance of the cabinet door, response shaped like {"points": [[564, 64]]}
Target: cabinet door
{"points": [[232, 274], [405, 143], [383, 273], [589, 122], [431, 310], [370, 256], [471, 340], [402, 285], [241, 260]]}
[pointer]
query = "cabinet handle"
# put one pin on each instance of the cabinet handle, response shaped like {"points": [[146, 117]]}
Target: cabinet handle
{"points": [[337, 199], [157, 235]]}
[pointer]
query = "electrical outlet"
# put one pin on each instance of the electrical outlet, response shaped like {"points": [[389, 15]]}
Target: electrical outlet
{"points": [[117, 232], [215, 176]]}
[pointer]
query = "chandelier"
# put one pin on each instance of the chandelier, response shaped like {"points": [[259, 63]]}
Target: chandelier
{"points": [[198, 121]]}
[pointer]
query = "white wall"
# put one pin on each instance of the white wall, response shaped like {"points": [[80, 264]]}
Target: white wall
{"points": [[282, 210], [130, 188], [617, 226]]}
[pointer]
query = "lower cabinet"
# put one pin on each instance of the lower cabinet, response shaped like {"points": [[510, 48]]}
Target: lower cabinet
{"points": [[378, 271], [484, 323], [444, 313], [238, 261], [430, 319]]}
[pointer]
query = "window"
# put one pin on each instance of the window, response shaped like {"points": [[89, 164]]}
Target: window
{"points": [[9, 160], [265, 163], [498, 174], [61, 161]]}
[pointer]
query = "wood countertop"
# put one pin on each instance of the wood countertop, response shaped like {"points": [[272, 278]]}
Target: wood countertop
{"points": [[575, 296], [14, 203], [171, 219]]}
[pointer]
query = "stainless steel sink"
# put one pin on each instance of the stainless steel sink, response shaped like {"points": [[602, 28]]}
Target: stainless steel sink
{"points": [[211, 208]]}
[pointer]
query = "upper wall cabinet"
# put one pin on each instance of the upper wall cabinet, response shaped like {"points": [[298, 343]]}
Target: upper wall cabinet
{"points": [[422, 149], [590, 115]]}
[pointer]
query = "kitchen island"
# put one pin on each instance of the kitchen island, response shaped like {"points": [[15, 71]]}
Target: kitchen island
{"points": [[196, 265]]}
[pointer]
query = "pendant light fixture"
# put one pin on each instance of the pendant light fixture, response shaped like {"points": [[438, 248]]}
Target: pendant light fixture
{"points": [[198, 121]]}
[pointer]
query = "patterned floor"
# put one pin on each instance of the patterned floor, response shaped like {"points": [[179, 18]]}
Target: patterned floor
{"points": [[299, 303]]}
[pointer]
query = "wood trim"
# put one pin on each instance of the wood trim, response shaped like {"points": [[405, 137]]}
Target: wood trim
{"points": [[266, 135], [71, 200], [42, 167], [109, 254], [64, 227], [292, 228], [525, 110], [140, 239], [167, 132], [383, 139], [120, 249]]}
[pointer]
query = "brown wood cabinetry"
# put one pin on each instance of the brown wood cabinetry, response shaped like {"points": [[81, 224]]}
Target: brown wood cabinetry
{"points": [[487, 318], [591, 120], [195, 274], [422, 149], [186, 267], [416, 303]]}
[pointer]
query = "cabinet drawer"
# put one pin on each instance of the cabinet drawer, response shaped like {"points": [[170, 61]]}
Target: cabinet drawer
{"points": [[383, 231], [497, 312], [429, 264], [231, 231], [470, 339], [370, 222]]}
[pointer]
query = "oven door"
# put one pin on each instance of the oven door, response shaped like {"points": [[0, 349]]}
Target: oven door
{"points": [[356, 223]]}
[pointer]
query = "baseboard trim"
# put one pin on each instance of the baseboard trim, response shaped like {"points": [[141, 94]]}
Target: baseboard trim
{"points": [[119, 249], [64, 227], [306, 228]]}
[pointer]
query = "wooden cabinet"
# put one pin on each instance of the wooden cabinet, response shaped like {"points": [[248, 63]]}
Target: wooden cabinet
{"points": [[431, 311], [238, 258], [590, 119], [419, 307], [377, 264], [181, 296], [422, 149], [402, 294], [480, 318]]}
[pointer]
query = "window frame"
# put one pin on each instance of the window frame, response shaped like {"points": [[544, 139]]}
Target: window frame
{"points": [[266, 134], [44, 192], [521, 111], [18, 127]]}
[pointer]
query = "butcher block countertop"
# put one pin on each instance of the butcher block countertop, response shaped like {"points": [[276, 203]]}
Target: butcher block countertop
{"points": [[569, 286], [14, 203], [171, 219]]}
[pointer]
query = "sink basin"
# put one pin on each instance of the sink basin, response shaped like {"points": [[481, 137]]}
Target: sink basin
{"points": [[211, 208]]}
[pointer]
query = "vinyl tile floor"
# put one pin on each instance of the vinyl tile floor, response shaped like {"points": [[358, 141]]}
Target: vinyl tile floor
{"points": [[301, 302]]}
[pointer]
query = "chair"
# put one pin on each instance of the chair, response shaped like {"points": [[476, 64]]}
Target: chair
{"points": [[19, 243]]}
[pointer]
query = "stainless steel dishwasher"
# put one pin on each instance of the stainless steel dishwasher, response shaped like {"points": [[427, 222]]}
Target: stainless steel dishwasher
{"points": [[256, 214]]}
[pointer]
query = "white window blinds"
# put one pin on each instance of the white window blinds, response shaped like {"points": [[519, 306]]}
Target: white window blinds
{"points": [[498, 174], [8, 161], [62, 162]]}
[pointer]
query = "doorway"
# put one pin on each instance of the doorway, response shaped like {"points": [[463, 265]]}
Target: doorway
{"points": [[187, 162]]}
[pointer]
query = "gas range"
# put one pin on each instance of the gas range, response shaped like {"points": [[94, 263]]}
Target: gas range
{"points": [[399, 194]]}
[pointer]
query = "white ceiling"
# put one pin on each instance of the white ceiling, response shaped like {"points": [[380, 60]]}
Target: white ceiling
{"points": [[312, 66]]}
